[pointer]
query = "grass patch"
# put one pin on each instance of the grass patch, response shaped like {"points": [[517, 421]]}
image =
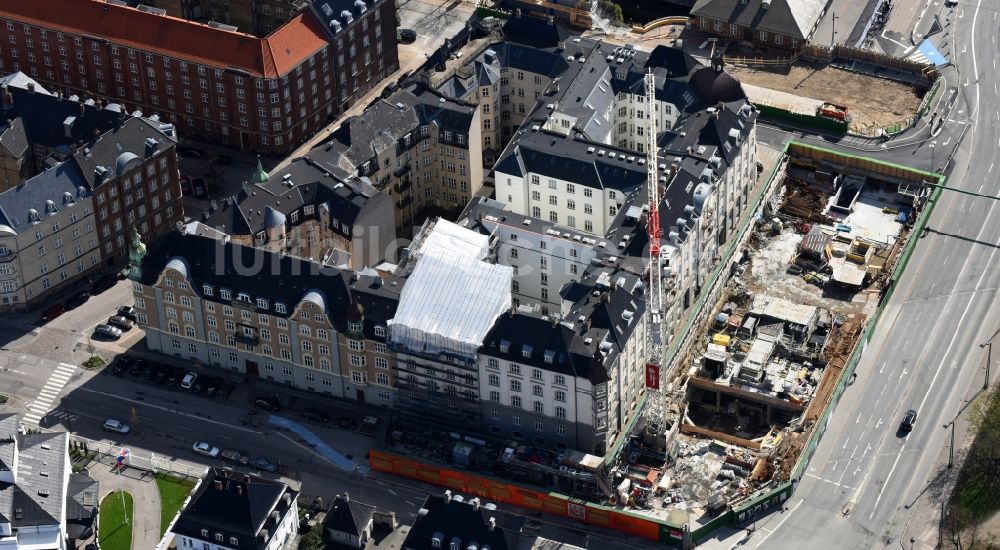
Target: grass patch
{"points": [[173, 491], [113, 532], [94, 362]]}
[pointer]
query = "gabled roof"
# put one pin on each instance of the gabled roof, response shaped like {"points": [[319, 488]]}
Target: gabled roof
{"points": [[270, 57], [349, 516], [779, 16], [58, 122], [14, 139], [448, 519], [534, 32], [37, 498]]}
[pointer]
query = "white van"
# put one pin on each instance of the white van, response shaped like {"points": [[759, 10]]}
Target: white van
{"points": [[188, 380]]}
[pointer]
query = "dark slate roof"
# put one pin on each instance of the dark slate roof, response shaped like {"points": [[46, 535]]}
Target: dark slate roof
{"points": [[116, 149], [714, 86], [450, 520], [14, 138], [48, 117], [534, 32], [51, 185], [328, 11], [81, 504], [556, 156], [283, 278], [349, 516], [37, 498], [675, 60], [235, 506], [777, 16]]}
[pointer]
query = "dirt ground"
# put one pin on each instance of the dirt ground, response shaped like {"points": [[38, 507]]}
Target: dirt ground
{"points": [[872, 101]]}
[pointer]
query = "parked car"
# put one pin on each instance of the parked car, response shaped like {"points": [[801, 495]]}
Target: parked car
{"points": [[206, 449], [121, 365], [127, 312], [117, 426], [137, 366], [77, 300], [149, 371], [407, 36], [909, 419], [104, 283], [262, 464], [174, 376], [213, 385], [53, 311], [267, 403], [191, 152], [235, 456], [160, 374], [108, 331], [188, 381], [185, 185], [347, 423], [199, 188], [315, 416], [123, 323]]}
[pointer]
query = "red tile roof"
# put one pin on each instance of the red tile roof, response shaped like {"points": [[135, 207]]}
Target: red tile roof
{"points": [[293, 43], [269, 57]]}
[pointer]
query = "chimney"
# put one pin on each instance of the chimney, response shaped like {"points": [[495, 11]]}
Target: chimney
{"points": [[31, 87], [68, 126], [151, 146], [551, 20], [239, 490], [447, 496], [246, 478], [475, 503], [347, 497], [264, 535], [227, 472], [218, 485], [100, 173], [493, 523]]}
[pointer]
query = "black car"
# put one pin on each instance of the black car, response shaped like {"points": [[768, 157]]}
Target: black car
{"points": [[160, 374], [267, 403], [121, 365], [407, 36], [198, 386], [213, 385], [909, 419], [149, 371], [347, 423], [264, 464], [137, 366], [199, 188], [77, 300], [174, 375], [315, 416], [127, 312]]}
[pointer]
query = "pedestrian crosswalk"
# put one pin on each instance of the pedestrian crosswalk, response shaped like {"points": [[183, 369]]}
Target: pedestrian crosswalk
{"points": [[49, 394]]}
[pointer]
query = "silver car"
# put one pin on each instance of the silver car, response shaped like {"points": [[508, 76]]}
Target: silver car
{"points": [[108, 331], [206, 449], [117, 426]]}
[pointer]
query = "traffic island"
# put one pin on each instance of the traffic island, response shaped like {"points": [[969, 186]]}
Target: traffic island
{"points": [[114, 526]]}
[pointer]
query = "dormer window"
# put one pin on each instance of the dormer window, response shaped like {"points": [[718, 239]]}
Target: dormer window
{"points": [[280, 308], [204, 533], [504, 346], [261, 303], [549, 356], [526, 350], [380, 331], [354, 326], [233, 541], [208, 290], [243, 297], [219, 537], [225, 294]]}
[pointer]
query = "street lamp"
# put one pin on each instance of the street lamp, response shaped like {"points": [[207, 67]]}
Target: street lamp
{"points": [[989, 352], [951, 448]]}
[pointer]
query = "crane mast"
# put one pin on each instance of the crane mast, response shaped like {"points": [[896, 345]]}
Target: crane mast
{"points": [[654, 290]]}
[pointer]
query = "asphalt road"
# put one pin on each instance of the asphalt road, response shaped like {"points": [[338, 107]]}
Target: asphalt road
{"points": [[862, 481]]}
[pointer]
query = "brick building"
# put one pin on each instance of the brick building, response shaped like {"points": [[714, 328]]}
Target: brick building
{"points": [[784, 24], [262, 94]]}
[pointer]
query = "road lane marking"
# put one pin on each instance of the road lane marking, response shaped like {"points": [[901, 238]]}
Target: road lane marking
{"points": [[846, 442], [168, 409], [945, 262], [880, 369], [391, 492], [859, 418], [886, 385], [991, 165], [788, 515]]}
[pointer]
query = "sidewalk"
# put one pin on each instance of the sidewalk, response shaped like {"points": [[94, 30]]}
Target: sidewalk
{"points": [[145, 516]]}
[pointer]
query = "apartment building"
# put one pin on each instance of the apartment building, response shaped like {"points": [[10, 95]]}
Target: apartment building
{"points": [[268, 315], [308, 212], [258, 17], [48, 237], [780, 24], [417, 146], [263, 94], [230, 511], [133, 174], [452, 297]]}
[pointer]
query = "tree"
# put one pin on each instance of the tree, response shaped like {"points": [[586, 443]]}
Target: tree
{"points": [[613, 10], [313, 539]]}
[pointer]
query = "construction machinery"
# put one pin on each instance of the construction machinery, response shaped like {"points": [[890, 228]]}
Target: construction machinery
{"points": [[654, 290], [834, 111]]}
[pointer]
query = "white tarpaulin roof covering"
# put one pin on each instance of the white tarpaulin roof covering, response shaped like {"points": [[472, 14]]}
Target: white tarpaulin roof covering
{"points": [[452, 298], [456, 239]]}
